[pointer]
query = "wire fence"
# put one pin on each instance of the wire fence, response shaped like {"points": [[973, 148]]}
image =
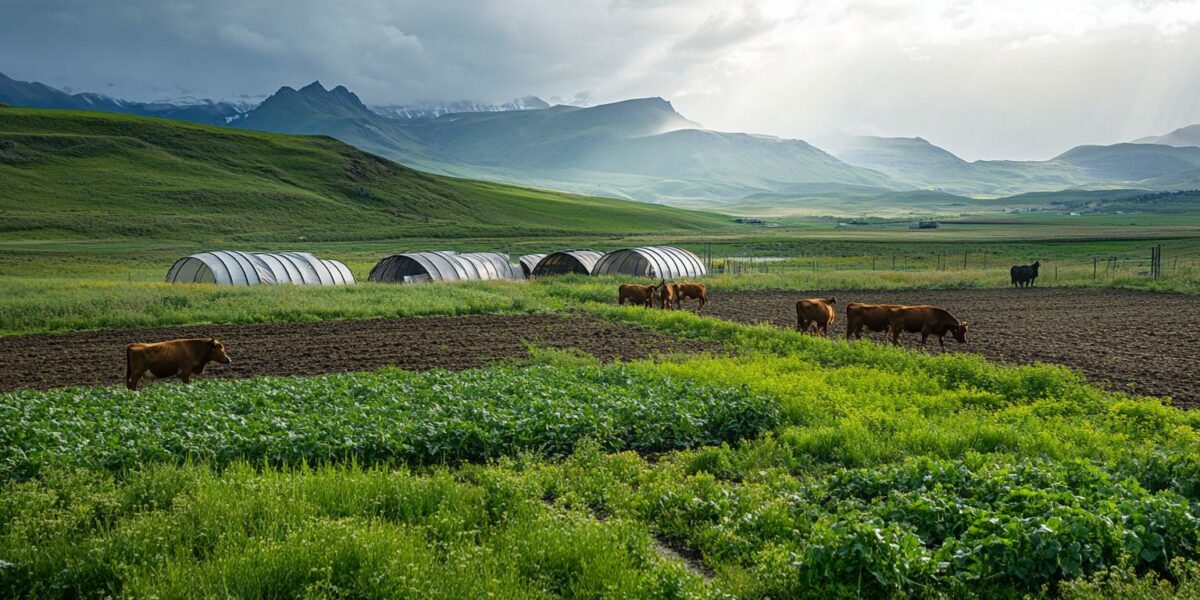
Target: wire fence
{"points": [[1153, 264]]}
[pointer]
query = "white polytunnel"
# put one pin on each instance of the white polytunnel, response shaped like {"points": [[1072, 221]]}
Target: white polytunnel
{"points": [[417, 267], [528, 262], [225, 267], [659, 262], [566, 262]]}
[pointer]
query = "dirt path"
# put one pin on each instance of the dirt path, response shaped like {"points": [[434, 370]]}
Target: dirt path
{"points": [[98, 358], [1134, 341]]}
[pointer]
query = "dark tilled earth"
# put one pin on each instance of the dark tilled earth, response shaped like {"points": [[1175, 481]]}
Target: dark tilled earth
{"points": [[420, 343], [1139, 342]]}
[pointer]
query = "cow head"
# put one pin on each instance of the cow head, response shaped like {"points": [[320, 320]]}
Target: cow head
{"points": [[960, 332], [1035, 266], [831, 300], [218, 352]]}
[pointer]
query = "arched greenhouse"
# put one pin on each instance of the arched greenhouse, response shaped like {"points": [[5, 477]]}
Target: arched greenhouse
{"points": [[417, 267], [658, 262], [224, 267], [566, 262], [528, 262]]}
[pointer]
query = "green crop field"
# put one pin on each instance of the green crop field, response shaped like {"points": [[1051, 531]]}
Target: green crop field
{"points": [[797, 467]]}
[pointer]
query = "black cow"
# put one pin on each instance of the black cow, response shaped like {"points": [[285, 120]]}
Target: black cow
{"points": [[1023, 275]]}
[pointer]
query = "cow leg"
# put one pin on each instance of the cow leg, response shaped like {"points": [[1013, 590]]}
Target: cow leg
{"points": [[703, 301], [924, 336], [942, 341], [132, 380], [185, 375]]}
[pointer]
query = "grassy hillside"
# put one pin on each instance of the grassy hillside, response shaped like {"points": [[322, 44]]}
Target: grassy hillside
{"points": [[86, 175]]}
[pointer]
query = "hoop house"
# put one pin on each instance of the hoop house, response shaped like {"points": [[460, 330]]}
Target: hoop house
{"points": [[659, 262], [225, 267], [566, 262], [528, 262], [416, 267]]}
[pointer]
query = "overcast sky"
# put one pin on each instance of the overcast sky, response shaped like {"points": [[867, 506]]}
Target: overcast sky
{"points": [[986, 79]]}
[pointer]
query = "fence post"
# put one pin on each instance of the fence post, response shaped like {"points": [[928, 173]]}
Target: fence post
{"points": [[1093, 267]]}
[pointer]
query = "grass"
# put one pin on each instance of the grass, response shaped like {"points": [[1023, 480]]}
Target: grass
{"points": [[54, 304], [878, 472], [71, 175]]}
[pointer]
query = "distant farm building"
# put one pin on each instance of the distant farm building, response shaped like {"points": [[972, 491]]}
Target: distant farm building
{"points": [[659, 262], [417, 267], [928, 224], [528, 262], [566, 262], [224, 267]]}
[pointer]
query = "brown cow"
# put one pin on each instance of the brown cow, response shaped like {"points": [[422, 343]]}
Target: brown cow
{"points": [[666, 295], [684, 291], [637, 295], [183, 358], [816, 314], [874, 317], [926, 320]]}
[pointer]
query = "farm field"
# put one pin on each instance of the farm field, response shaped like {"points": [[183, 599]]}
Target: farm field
{"points": [[412, 343], [531, 439], [793, 467], [1095, 331]]}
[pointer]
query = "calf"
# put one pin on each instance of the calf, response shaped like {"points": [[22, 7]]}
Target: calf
{"points": [[684, 291], [1024, 275], [926, 320], [873, 317], [816, 314], [637, 295], [666, 295], [182, 358]]}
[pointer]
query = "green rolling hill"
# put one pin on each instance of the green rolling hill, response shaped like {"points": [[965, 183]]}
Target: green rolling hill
{"points": [[90, 175]]}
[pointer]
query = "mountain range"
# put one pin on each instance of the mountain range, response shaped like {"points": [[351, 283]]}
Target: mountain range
{"points": [[918, 163], [37, 95], [644, 149], [437, 109]]}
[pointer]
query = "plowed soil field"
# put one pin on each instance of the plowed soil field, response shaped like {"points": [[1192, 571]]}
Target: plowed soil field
{"points": [[98, 358], [1133, 341]]}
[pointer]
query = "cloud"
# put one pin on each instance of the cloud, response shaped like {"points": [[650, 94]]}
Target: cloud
{"points": [[1013, 78]]}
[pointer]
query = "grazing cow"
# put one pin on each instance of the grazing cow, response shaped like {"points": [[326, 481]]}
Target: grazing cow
{"points": [[873, 317], [182, 358], [684, 291], [816, 314], [666, 295], [926, 320], [637, 295], [1023, 275]]}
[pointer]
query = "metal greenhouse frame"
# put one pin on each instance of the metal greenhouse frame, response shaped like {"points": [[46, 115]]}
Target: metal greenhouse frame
{"points": [[659, 262], [568, 261], [416, 267], [528, 262], [224, 267]]}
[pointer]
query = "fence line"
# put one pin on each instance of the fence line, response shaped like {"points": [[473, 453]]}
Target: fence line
{"points": [[1150, 265]]}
